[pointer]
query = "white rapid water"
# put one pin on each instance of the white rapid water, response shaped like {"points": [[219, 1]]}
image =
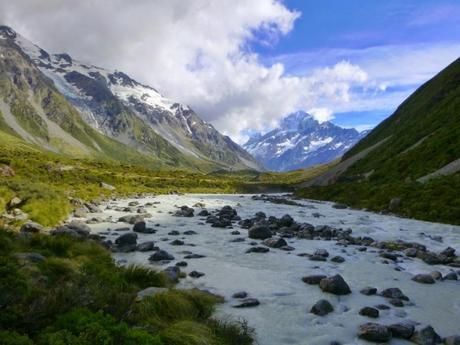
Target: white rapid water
{"points": [[274, 278]]}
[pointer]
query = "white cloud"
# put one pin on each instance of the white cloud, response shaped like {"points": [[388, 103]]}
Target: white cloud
{"points": [[195, 51], [321, 114]]}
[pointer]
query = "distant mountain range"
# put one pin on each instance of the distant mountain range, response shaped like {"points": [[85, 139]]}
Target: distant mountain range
{"points": [[301, 141], [72, 107]]}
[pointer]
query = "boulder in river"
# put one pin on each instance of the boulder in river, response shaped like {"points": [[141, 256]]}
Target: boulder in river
{"points": [[335, 285], [451, 276], [425, 335], [131, 219], [338, 259], [172, 273], [394, 293], [322, 307], [247, 303], [275, 242], [259, 232], [161, 255], [145, 246], [369, 312], [321, 252], [374, 332], [402, 330], [423, 279], [240, 294], [185, 211], [313, 279], [142, 228], [257, 250], [128, 238], [368, 291], [195, 274]]}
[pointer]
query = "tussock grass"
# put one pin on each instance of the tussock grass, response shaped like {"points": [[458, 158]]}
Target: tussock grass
{"points": [[76, 295]]}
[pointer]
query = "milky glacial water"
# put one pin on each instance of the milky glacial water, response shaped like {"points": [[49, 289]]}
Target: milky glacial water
{"points": [[274, 278]]}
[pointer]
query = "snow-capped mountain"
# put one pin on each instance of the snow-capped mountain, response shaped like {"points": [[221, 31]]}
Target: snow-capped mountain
{"points": [[301, 141], [130, 112]]}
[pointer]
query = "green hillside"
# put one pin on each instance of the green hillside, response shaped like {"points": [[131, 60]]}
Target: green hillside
{"points": [[422, 136]]}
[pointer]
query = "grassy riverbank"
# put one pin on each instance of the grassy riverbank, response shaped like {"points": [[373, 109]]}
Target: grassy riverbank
{"points": [[46, 183], [58, 290]]}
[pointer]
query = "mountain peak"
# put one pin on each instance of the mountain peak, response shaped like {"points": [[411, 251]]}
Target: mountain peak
{"points": [[298, 121], [301, 141], [7, 33]]}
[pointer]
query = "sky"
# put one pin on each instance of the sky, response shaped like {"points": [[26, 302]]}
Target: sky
{"points": [[244, 65]]}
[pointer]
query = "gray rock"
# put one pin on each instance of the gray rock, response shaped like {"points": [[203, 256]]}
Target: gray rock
{"points": [[401, 330], [313, 279], [451, 276], [317, 258], [247, 303], [425, 336], [81, 228], [257, 250], [149, 292], [335, 285], [374, 332], [436, 275], [196, 274], [449, 252], [126, 239], [394, 293], [140, 227], [322, 307], [369, 312], [106, 186], [339, 206], [161, 255], [131, 219], [261, 232], [396, 302], [145, 246], [194, 256], [423, 279], [240, 294], [31, 228], [410, 252], [321, 252], [177, 243], [172, 273], [185, 211], [275, 242], [368, 291], [80, 212], [285, 221], [338, 259], [182, 264]]}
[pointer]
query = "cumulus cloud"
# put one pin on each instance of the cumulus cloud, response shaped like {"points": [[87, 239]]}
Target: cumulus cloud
{"points": [[195, 51]]}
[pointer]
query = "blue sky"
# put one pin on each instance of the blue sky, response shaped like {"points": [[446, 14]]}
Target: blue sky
{"points": [[399, 43], [243, 65]]}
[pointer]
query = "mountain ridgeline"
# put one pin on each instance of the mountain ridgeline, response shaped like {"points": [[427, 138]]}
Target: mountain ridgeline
{"points": [[410, 163], [301, 141], [78, 109]]}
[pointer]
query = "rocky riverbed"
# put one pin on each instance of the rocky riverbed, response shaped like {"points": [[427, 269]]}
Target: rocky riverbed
{"points": [[300, 272]]}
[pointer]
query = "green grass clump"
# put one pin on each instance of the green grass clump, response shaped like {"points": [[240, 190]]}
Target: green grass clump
{"points": [[60, 290]]}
